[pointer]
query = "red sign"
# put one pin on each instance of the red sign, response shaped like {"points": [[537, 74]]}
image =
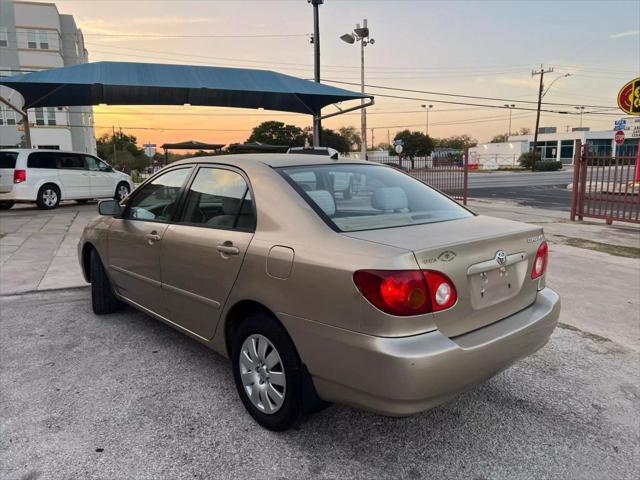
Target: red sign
{"points": [[629, 97], [619, 137]]}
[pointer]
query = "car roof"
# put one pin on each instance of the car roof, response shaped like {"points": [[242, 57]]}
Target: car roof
{"points": [[274, 160], [31, 150]]}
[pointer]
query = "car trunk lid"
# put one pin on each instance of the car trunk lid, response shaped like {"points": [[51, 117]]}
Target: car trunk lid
{"points": [[490, 285]]}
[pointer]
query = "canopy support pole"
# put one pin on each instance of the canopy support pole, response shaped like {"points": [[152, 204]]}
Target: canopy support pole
{"points": [[25, 121], [357, 107]]}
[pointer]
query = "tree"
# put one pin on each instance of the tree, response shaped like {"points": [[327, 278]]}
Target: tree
{"points": [[277, 133], [458, 142], [353, 136], [415, 144], [503, 137], [336, 140], [128, 156], [524, 131]]}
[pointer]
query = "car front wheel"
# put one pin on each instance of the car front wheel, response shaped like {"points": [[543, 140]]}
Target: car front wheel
{"points": [[267, 372], [103, 299]]}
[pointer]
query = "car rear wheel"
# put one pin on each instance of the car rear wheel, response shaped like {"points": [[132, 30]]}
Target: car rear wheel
{"points": [[103, 299], [122, 190], [48, 197], [6, 205], [267, 372]]}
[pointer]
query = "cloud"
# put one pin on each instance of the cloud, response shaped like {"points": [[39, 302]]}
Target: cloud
{"points": [[630, 33]]}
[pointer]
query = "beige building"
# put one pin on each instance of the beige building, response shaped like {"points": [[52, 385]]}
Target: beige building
{"points": [[35, 36]]}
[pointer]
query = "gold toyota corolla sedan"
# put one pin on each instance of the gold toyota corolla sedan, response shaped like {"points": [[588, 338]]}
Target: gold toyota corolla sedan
{"points": [[391, 298]]}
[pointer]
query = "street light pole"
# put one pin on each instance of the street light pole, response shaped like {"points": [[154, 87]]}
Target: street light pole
{"points": [[361, 34], [427, 108], [317, 123], [510, 107], [581, 108]]}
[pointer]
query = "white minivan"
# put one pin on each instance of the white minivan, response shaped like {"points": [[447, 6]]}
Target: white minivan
{"points": [[48, 176]]}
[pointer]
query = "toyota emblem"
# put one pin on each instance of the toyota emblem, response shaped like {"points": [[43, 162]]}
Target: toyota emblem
{"points": [[501, 257]]}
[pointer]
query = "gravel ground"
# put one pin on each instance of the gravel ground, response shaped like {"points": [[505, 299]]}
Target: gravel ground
{"points": [[126, 397]]}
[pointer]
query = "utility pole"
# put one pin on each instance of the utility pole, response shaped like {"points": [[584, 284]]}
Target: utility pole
{"points": [[113, 140], [581, 112], [317, 123], [540, 90], [510, 106], [427, 108], [373, 143]]}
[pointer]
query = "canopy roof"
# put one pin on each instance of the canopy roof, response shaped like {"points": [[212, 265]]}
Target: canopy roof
{"points": [[256, 147], [125, 83], [192, 145]]}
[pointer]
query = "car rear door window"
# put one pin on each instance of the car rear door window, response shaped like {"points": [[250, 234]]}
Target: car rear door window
{"points": [[42, 160], [8, 159], [158, 200], [219, 198], [97, 165]]}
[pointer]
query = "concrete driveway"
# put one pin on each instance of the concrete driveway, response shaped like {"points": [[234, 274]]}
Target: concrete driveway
{"points": [[124, 396]]}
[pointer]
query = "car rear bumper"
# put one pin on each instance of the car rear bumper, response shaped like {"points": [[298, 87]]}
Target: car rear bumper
{"points": [[401, 376], [18, 193]]}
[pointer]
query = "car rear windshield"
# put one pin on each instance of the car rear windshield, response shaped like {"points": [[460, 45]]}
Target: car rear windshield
{"points": [[8, 159], [351, 197]]}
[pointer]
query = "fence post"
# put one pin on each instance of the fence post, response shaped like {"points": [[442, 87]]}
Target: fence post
{"points": [[466, 179], [576, 179], [636, 176], [584, 166]]}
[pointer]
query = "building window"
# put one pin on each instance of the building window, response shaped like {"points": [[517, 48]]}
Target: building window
{"points": [[51, 115], [32, 40], [39, 116], [45, 116], [566, 150], [43, 39], [8, 116], [4, 37], [600, 147]]}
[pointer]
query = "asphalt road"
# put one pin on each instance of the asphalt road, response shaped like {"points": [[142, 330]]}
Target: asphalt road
{"points": [[519, 179], [124, 396], [553, 197]]}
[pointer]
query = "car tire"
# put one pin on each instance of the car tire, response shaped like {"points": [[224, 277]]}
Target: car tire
{"points": [[6, 205], [103, 299], [48, 197], [259, 370], [122, 190]]}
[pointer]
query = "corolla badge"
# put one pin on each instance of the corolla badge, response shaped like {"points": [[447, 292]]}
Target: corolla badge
{"points": [[501, 257], [446, 256]]}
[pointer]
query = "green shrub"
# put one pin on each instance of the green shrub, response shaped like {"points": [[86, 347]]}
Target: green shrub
{"points": [[547, 166], [527, 159]]}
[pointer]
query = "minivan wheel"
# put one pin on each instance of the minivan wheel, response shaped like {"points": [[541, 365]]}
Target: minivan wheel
{"points": [[103, 299], [48, 197], [6, 205], [267, 372], [122, 190]]}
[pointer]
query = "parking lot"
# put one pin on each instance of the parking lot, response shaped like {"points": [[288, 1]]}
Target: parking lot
{"points": [[124, 396]]}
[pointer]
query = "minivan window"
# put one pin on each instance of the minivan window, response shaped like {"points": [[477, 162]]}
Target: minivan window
{"points": [[380, 197], [70, 161], [8, 159], [96, 164], [41, 160]]}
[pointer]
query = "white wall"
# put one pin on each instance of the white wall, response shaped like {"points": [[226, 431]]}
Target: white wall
{"points": [[51, 136], [491, 156], [29, 14]]}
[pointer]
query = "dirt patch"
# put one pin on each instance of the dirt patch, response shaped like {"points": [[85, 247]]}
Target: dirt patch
{"points": [[617, 250]]}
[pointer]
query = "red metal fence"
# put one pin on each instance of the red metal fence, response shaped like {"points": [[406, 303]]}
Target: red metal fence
{"points": [[605, 187], [447, 173]]}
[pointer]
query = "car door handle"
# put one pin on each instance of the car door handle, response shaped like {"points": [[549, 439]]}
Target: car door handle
{"points": [[153, 237], [228, 249]]}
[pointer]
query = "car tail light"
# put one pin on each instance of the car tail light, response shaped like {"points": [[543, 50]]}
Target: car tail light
{"points": [[19, 176], [541, 260], [406, 292]]}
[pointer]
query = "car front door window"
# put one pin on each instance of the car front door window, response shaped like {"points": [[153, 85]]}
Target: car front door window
{"points": [[158, 200]]}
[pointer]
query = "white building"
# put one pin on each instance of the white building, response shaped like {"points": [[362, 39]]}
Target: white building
{"points": [[35, 36], [560, 146]]}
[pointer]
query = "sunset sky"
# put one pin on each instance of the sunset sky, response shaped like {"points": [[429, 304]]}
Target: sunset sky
{"points": [[456, 47]]}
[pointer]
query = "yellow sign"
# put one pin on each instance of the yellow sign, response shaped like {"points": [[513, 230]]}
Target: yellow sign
{"points": [[629, 97]]}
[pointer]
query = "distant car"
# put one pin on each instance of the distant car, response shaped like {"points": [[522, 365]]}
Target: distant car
{"points": [[393, 301], [342, 183], [48, 176]]}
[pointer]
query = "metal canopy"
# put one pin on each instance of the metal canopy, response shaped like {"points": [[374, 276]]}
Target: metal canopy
{"points": [[125, 83]]}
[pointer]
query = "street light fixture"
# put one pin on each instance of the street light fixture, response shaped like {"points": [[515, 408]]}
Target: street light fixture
{"points": [[510, 107], [361, 34], [554, 81], [427, 108]]}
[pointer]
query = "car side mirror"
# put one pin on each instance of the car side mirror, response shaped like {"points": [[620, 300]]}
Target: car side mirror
{"points": [[110, 208]]}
